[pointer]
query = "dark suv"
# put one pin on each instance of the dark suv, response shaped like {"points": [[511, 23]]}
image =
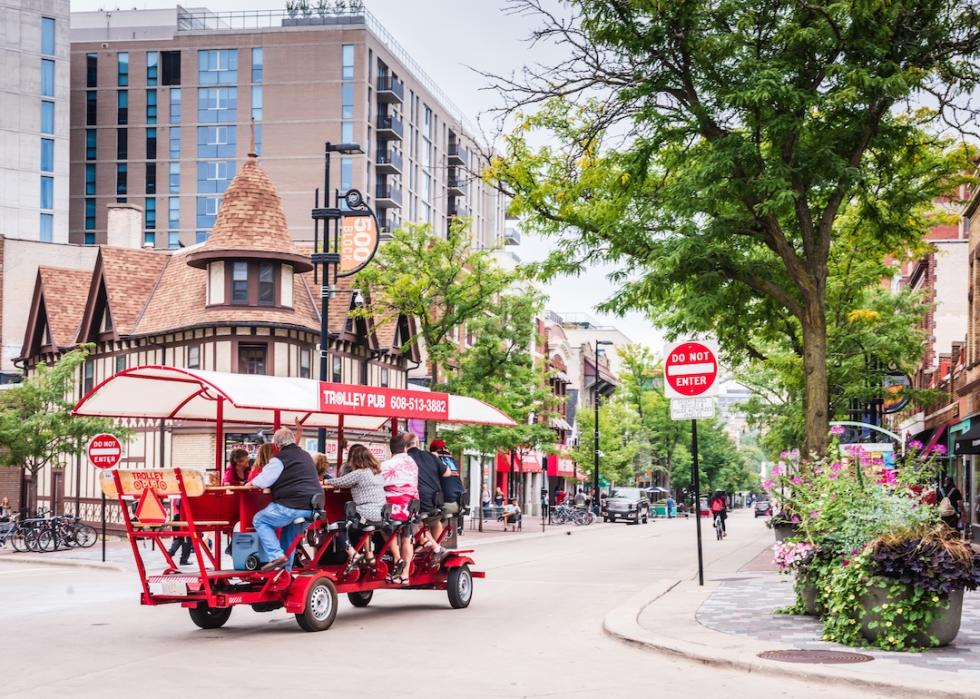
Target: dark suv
{"points": [[628, 504]]}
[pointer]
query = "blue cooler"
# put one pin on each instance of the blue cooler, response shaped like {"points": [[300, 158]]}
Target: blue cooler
{"points": [[246, 551]]}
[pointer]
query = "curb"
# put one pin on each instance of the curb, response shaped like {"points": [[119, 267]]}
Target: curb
{"points": [[622, 624], [522, 536], [66, 563]]}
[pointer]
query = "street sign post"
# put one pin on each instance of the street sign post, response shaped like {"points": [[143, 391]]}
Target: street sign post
{"points": [[104, 451], [691, 381]]}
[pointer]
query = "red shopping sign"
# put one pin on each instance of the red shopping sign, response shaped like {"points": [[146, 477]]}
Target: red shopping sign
{"points": [[690, 369], [104, 451]]}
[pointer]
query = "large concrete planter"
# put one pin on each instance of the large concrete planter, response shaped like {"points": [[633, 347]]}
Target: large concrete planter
{"points": [[784, 531], [944, 627], [808, 593]]}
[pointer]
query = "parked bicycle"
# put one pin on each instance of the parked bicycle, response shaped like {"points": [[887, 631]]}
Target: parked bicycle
{"points": [[565, 514], [46, 534]]}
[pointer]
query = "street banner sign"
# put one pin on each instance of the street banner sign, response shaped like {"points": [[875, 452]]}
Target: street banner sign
{"points": [[382, 402], [104, 451], [358, 242], [150, 509], [692, 408], [691, 369]]}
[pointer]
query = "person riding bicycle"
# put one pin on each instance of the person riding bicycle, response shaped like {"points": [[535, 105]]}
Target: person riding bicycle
{"points": [[719, 509]]}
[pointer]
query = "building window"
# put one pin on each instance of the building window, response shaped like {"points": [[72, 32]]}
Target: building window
{"points": [[207, 210], [304, 363], [152, 58], [239, 283], [337, 370], [122, 182], [384, 378], [173, 240], [213, 176], [175, 105], [173, 212], [217, 67], [47, 77], [194, 357], [257, 65], [267, 284], [151, 106], [346, 173], [151, 144], [216, 141], [174, 147], [258, 139], [90, 179], [89, 374], [201, 236], [47, 155], [91, 69], [122, 104], [122, 59], [120, 362], [91, 110], [47, 117], [151, 177], [347, 101], [89, 218], [257, 102], [251, 359], [150, 216], [47, 228], [47, 192], [47, 36], [174, 178], [90, 143], [347, 52], [171, 67], [217, 105], [347, 132], [122, 144]]}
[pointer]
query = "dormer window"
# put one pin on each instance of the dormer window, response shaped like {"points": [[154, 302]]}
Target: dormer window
{"points": [[267, 284], [239, 283], [249, 283]]}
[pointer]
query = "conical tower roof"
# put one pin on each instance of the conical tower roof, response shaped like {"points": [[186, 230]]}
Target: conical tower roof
{"points": [[250, 223]]}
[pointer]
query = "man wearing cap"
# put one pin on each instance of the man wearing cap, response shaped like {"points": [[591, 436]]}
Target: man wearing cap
{"points": [[431, 471], [452, 484]]}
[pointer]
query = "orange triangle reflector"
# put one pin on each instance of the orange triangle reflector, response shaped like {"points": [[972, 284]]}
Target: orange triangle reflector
{"points": [[150, 509]]}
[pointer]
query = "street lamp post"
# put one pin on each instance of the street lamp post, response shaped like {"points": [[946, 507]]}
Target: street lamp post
{"points": [[595, 471], [330, 257]]}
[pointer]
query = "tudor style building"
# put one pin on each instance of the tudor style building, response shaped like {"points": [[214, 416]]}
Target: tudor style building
{"points": [[242, 301]]}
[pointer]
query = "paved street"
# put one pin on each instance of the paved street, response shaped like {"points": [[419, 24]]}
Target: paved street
{"points": [[534, 629]]}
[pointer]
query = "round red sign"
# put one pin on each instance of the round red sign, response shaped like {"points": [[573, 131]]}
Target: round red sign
{"points": [[104, 451], [690, 369]]}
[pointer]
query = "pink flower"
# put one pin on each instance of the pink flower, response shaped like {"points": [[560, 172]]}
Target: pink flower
{"points": [[838, 430], [767, 484], [814, 513], [794, 519], [939, 450], [817, 470], [796, 480], [776, 471], [915, 444], [836, 467], [888, 476], [784, 455], [846, 561]]}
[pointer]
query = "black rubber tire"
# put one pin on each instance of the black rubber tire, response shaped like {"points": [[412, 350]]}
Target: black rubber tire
{"points": [[459, 585], [18, 540], [209, 617], [646, 518], [85, 536], [320, 609], [47, 541], [360, 599]]}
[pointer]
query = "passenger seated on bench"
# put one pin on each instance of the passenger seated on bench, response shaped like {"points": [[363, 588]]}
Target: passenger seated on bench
{"points": [[512, 513], [292, 478], [322, 464], [401, 479], [262, 457], [431, 471], [366, 489]]}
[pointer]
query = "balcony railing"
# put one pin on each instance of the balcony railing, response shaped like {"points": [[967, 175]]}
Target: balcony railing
{"points": [[457, 154], [390, 89], [390, 127], [387, 195], [512, 236], [456, 185], [389, 161], [458, 209]]}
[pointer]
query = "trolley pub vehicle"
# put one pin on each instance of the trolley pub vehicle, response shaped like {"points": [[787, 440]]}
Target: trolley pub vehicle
{"points": [[211, 515]]}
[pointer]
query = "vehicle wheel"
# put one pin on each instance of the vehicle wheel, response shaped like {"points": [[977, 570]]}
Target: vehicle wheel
{"points": [[321, 606], [646, 518], [19, 541], [209, 617], [460, 587], [605, 519], [360, 599], [47, 541], [86, 536]]}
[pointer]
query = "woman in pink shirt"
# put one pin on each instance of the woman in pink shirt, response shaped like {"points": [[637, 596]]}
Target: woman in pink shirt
{"points": [[401, 482]]}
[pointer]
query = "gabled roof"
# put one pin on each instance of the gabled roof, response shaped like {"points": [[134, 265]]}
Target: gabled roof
{"points": [[57, 304], [121, 282]]}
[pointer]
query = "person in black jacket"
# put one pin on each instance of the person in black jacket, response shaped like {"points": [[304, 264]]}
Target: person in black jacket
{"points": [[431, 471]]}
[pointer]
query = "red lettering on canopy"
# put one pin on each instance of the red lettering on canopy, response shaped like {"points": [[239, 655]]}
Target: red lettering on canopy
{"points": [[345, 399]]}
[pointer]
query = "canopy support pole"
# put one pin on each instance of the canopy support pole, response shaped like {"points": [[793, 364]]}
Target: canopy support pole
{"points": [[394, 427], [340, 443], [276, 421], [219, 438]]}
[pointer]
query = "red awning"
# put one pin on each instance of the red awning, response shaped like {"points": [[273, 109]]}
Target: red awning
{"points": [[561, 466]]}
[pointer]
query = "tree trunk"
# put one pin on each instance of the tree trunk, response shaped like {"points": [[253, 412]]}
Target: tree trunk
{"points": [[816, 399]]}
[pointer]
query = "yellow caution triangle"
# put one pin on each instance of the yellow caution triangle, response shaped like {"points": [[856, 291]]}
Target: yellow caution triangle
{"points": [[150, 509]]}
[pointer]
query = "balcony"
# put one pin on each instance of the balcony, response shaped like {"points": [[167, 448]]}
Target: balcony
{"points": [[390, 89], [457, 155], [387, 196], [389, 128], [387, 224], [512, 236], [458, 209], [456, 185], [388, 162]]}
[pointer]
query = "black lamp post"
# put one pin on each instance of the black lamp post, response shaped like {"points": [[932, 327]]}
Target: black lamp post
{"points": [[595, 471], [329, 258]]}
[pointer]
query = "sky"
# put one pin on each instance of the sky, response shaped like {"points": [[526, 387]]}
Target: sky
{"points": [[449, 39]]}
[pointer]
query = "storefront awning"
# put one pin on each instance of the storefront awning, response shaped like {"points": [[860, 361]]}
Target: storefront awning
{"points": [[560, 466], [968, 440], [560, 423]]}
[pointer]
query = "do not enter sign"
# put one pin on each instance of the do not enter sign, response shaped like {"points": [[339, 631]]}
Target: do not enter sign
{"points": [[104, 451], [690, 369]]}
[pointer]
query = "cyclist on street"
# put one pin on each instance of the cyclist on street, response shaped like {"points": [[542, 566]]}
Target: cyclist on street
{"points": [[719, 508]]}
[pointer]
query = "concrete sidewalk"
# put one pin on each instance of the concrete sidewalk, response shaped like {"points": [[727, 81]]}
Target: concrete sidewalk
{"points": [[729, 622]]}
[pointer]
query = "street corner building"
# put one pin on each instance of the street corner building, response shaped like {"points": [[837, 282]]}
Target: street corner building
{"points": [[243, 301]]}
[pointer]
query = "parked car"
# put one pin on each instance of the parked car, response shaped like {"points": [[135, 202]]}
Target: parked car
{"points": [[629, 504], [763, 508]]}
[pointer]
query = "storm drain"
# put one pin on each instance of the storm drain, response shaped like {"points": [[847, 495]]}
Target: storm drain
{"points": [[822, 657]]}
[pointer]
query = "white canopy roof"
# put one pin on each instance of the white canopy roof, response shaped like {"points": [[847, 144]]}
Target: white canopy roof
{"points": [[191, 394]]}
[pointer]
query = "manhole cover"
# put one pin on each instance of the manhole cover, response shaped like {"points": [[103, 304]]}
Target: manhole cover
{"points": [[825, 657]]}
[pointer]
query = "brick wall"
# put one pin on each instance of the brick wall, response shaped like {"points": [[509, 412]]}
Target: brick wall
{"points": [[10, 480]]}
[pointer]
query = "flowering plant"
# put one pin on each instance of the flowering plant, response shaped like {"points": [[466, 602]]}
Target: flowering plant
{"points": [[793, 555]]}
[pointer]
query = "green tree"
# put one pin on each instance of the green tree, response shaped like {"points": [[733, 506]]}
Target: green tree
{"points": [[620, 452], [444, 283], [37, 428], [713, 149]]}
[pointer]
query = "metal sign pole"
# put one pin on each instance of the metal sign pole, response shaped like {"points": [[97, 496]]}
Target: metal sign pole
{"points": [[697, 496], [103, 527]]}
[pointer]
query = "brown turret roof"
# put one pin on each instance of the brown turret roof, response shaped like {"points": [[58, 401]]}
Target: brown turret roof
{"points": [[250, 223]]}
